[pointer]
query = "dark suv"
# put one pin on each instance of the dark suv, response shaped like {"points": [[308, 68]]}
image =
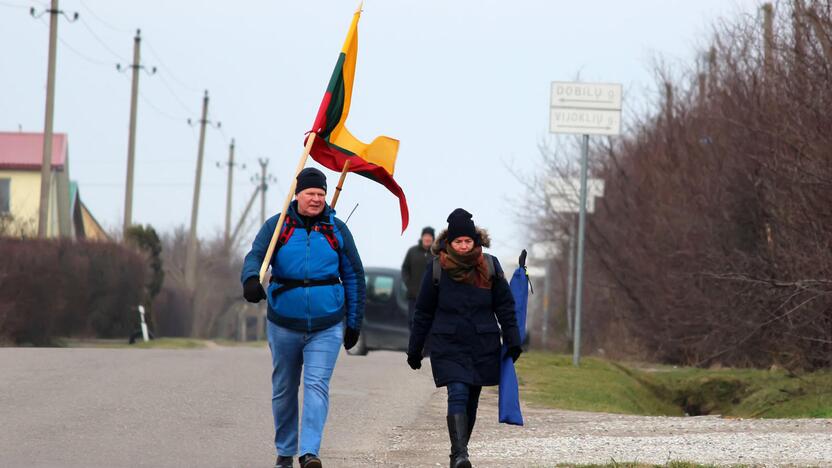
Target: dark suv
{"points": [[385, 315]]}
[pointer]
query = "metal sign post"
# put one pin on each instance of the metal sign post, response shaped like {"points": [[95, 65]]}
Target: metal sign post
{"points": [[585, 109], [579, 279], [565, 198]]}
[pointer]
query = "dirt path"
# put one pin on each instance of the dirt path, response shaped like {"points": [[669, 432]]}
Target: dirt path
{"points": [[551, 437]]}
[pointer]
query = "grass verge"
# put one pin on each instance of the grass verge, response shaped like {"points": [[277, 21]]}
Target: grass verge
{"points": [[675, 464], [601, 385], [159, 343]]}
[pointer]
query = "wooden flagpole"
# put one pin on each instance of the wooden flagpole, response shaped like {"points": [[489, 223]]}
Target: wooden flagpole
{"points": [[340, 184], [273, 242]]}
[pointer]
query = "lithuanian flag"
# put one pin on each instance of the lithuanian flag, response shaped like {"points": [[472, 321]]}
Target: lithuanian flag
{"points": [[334, 144]]}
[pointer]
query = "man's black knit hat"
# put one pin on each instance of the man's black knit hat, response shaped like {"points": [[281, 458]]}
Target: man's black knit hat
{"points": [[310, 178], [460, 224], [428, 230]]}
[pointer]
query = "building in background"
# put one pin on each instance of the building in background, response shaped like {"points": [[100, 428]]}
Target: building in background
{"points": [[21, 156], [84, 224]]}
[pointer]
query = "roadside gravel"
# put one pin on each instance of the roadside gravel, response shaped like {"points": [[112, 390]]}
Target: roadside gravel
{"points": [[551, 437]]}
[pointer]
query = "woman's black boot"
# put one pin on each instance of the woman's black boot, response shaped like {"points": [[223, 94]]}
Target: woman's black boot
{"points": [[458, 431], [471, 421]]}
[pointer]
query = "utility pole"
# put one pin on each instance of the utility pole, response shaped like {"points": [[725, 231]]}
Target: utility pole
{"points": [[768, 38], [46, 165], [190, 255], [131, 139], [230, 164], [228, 193], [244, 215], [263, 187]]}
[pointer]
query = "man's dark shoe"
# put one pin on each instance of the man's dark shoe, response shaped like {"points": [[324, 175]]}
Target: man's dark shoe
{"points": [[283, 462], [310, 461]]}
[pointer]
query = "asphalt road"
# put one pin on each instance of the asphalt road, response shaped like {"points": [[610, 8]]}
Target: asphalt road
{"points": [[185, 408], [211, 408]]}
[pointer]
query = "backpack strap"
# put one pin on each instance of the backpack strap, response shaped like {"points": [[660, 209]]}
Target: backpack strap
{"points": [[489, 265], [437, 271], [286, 231], [290, 224], [328, 231]]}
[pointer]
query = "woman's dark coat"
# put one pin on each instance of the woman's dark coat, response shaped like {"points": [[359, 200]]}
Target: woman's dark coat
{"points": [[461, 320]]}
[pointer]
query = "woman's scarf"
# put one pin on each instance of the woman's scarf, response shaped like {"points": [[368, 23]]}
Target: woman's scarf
{"points": [[469, 268]]}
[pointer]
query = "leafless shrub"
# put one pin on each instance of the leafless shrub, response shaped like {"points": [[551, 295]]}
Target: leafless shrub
{"points": [[712, 242]]}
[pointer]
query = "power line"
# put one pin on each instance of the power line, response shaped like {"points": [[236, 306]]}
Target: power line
{"points": [[160, 111], [142, 162], [13, 5], [87, 58], [150, 184], [175, 96], [102, 21], [101, 41], [167, 69]]}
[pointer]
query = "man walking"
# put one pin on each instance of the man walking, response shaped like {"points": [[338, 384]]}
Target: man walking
{"points": [[317, 279], [413, 268]]}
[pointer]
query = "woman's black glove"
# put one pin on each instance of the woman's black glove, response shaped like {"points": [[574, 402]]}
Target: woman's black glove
{"points": [[253, 290], [514, 352], [414, 361], [350, 338]]}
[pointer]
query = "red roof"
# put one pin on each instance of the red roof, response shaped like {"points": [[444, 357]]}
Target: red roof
{"points": [[24, 150]]}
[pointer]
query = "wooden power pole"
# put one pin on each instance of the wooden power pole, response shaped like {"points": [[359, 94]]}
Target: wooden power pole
{"points": [[191, 254], [136, 66]]}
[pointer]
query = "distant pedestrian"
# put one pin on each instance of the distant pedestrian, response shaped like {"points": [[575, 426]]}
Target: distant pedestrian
{"points": [[317, 279], [413, 268], [460, 310]]}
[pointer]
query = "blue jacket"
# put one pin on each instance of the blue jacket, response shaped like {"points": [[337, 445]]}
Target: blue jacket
{"points": [[309, 256]]}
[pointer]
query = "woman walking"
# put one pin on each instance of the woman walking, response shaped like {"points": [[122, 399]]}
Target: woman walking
{"points": [[462, 297]]}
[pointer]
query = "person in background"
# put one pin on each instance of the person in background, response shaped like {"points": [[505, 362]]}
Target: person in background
{"points": [[413, 268], [460, 310]]}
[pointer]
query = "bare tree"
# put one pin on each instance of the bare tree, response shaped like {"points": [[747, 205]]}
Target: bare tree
{"points": [[712, 242]]}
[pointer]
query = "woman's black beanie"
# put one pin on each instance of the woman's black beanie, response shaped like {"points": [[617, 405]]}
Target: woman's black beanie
{"points": [[460, 224]]}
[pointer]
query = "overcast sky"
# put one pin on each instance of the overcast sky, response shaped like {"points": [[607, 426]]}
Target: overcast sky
{"points": [[464, 84]]}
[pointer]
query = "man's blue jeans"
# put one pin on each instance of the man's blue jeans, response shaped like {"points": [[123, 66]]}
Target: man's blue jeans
{"points": [[315, 354]]}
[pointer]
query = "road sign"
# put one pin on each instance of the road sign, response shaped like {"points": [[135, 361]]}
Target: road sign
{"points": [[565, 194], [585, 108], [586, 95], [544, 250], [585, 121]]}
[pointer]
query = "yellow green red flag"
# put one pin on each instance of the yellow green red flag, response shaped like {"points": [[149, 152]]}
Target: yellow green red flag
{"points": [[334, 144]]}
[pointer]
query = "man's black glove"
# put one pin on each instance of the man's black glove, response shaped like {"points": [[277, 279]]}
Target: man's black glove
{"points": [[253, 290], [514, 352], [414, 361], [350, 338]]}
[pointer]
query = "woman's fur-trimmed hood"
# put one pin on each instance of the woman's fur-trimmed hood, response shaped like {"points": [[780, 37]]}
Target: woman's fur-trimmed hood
{"points": [[441, 239]]}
